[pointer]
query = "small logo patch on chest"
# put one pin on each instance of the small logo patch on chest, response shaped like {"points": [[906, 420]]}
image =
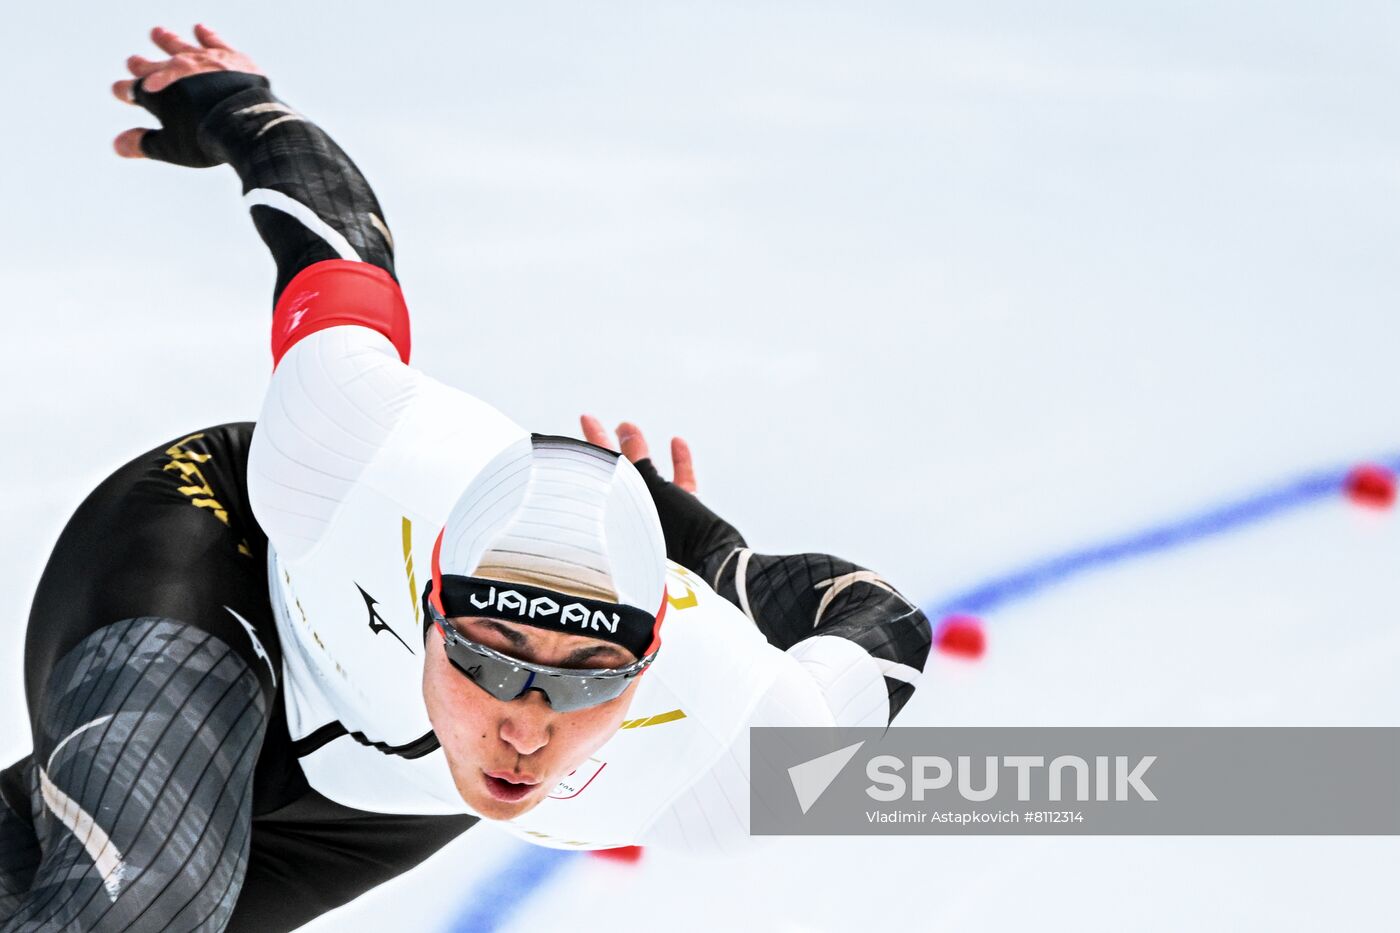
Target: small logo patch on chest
{"points": [[573, 783]]}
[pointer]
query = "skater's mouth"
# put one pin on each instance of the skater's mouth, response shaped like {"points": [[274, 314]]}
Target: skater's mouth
{"points": [[509, 786]]}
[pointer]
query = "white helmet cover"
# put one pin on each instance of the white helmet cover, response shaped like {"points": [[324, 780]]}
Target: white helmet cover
{"points": [[560, 534]]}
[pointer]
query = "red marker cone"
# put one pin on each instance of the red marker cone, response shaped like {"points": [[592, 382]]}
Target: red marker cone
{"points": [[629, 854], [1371, 485], [961, 636]]}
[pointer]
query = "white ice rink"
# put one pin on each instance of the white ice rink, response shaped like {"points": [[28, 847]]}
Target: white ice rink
{"points": [[940, 288]]}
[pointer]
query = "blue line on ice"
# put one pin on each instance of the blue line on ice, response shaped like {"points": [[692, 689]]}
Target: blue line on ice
{"points": [[496, 898], [1031, 579]]}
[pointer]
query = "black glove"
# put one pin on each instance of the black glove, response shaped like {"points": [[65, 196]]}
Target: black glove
{"points": [[182, 107], [695, 536]]}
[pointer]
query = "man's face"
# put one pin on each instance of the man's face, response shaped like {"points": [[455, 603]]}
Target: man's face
{"points": [[507, 755]]}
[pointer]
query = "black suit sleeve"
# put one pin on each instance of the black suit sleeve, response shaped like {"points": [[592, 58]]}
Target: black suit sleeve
{"points": [[793, 597], [308, 199]]}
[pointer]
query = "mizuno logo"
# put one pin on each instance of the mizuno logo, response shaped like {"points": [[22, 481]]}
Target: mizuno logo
{"points": [[509, 601], [376, 622]]}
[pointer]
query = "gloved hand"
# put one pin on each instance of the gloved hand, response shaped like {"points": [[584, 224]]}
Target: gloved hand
{"points": [[181, 91]]}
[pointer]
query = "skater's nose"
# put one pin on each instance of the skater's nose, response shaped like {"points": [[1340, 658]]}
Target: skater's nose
{"points": [[525, 723]]}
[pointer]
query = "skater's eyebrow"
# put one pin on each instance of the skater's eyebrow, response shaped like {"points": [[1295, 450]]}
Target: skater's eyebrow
{"points": [[591, 655], [581, 655], [516, 639]]}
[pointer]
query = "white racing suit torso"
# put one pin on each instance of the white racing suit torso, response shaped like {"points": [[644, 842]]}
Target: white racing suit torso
{"points": [[356, 462]]}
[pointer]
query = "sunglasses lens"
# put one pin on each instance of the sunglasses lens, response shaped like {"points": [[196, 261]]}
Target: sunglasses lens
{"points": [[573, 693], [502, 681], [507, 681]]}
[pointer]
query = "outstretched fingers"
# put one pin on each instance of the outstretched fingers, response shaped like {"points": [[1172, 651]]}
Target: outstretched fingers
{"points": [[141, 66], [170, 42], [683, 465], [634, 448], [595, 433], [128, 143], [209, 38], [634, 445]]}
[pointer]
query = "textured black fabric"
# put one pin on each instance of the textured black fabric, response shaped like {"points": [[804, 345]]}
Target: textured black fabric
{"points": [[696, 538], [273, 147], [232, 117], [785, 593], [138, 627], [169, 534], [314, 855], [142, 772], [19, 845], [785, 596], [181, 107]]}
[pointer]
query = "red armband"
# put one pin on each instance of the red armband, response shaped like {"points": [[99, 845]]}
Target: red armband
{"points": [[338, 292]]}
